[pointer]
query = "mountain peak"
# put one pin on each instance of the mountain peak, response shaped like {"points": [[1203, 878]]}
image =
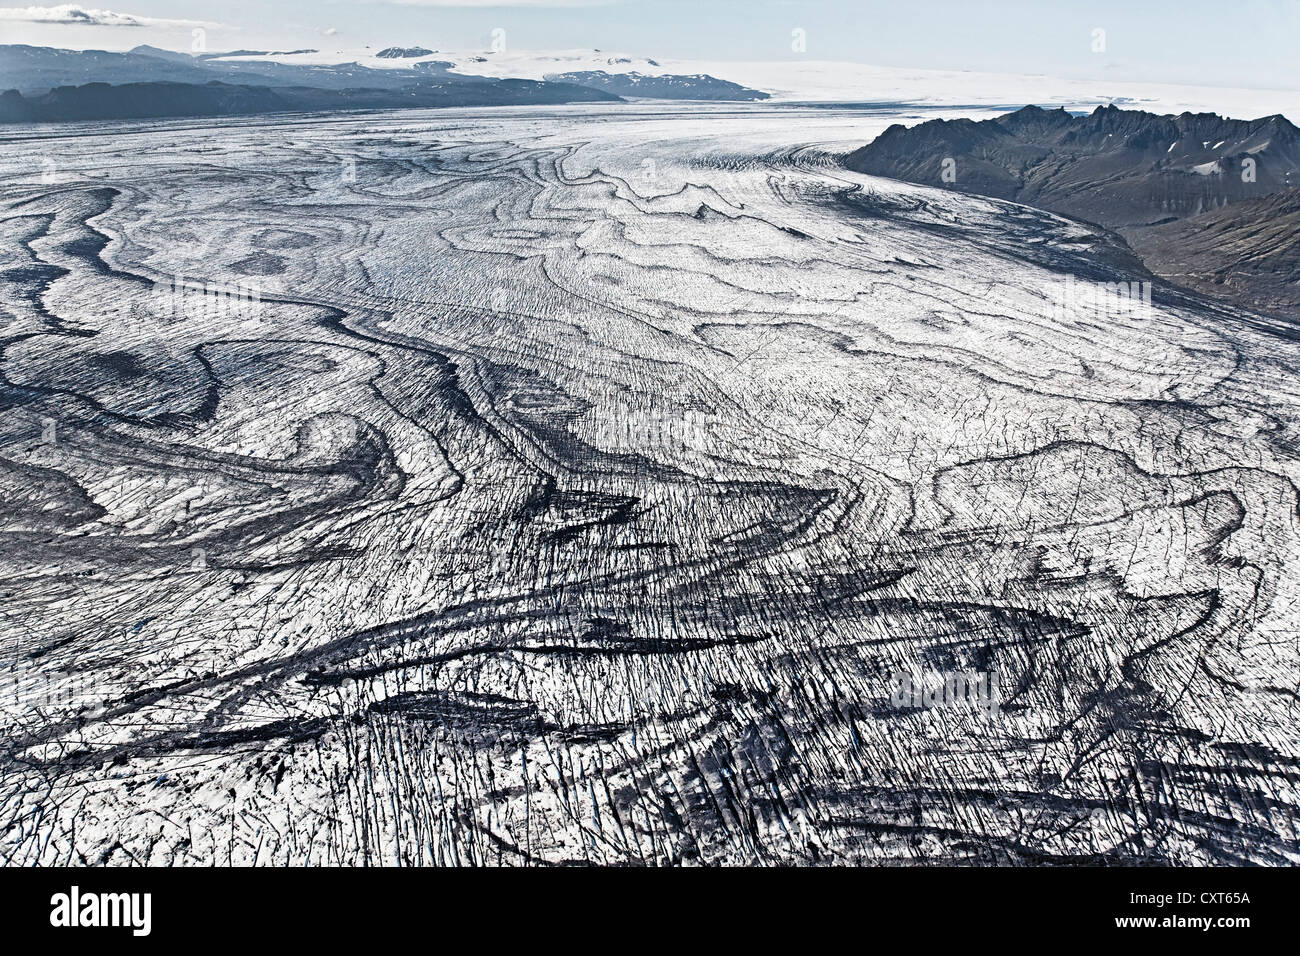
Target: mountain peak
{"points": [[402, 52], [145, 49]]}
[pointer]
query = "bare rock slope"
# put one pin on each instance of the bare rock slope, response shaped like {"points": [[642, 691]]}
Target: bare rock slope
{"points": [[1131, 172]]}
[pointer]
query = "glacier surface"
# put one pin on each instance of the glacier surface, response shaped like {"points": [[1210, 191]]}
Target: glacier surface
{"points": [[552, 485]]}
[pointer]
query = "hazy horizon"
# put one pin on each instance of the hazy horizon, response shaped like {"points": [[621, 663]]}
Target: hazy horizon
{"points": [[1185, 43]]}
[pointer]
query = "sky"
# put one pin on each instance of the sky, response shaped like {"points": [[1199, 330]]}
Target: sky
{"points": [[1242, 43]]}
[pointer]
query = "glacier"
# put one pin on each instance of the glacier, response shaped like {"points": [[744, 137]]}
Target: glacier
{"points": [[572, 484]]}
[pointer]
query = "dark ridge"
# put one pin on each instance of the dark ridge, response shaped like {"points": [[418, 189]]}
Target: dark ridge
{"points": [[402, 53], [102, 101], [698, 87], [1194, 195]]}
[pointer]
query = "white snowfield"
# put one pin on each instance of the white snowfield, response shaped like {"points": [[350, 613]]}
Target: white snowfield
{"points": [[578, 483], [841, 82]]}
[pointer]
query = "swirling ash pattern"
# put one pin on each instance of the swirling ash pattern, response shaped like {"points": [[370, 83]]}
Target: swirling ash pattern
{"points": [[578, 483]]}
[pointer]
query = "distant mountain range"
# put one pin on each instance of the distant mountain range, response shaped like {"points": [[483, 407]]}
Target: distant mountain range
{"points": [[800, 80], [31, 69], [50, 84], [103, 101], [1203, 200], [671, 87]]}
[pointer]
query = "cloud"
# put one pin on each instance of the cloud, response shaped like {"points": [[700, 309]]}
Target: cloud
{"points": [[71, 13]]}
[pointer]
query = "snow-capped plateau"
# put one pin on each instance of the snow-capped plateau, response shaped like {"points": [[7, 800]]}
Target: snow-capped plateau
{"points": [[830, 81]]}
